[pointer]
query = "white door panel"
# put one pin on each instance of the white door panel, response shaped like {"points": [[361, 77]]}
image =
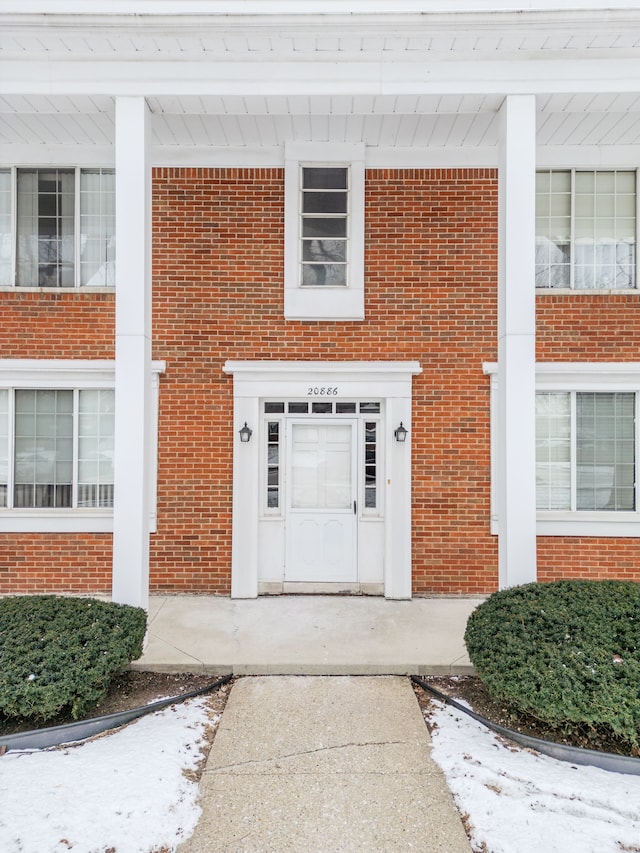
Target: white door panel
{"points": [[321, 520]]}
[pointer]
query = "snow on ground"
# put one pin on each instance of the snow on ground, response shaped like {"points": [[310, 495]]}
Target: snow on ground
{"points": [[127, 791], [521, 802]]}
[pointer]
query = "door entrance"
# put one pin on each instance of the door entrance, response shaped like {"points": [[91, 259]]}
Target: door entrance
{"points": [[321, 516]]}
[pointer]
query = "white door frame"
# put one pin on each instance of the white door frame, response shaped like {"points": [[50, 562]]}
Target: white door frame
{"points": [[388, 381]]}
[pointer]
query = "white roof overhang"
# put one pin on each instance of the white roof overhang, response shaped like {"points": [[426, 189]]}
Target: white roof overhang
{"points": [[234, 88]]}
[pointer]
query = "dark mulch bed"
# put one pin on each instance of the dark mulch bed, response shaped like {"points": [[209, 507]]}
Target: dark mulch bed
{"points": [[471, 690], [136, 689], [129, 690]]}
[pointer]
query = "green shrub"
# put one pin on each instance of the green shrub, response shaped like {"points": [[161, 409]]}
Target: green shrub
{"points": [[58, 654], [566, 653]]}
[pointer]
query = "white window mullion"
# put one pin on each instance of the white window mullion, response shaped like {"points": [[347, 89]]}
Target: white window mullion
{"points": [[572, 242], [637, 451], [637, 245], [11, 417], [76, 229], [14, 225], [574, 451], [75, 427]]}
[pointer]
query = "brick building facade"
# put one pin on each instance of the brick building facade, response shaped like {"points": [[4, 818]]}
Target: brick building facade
{"points": [[327, 263]]}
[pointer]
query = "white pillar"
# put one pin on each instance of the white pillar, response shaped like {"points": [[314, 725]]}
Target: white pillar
{"points": [[133, 418], [516, 488]]}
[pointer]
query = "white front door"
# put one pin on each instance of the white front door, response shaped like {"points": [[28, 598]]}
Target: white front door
{"points": [[321, 520]]}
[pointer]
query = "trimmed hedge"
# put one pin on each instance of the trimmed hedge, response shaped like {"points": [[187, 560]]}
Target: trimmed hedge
{"points": [[59, 654], [566, 653]]}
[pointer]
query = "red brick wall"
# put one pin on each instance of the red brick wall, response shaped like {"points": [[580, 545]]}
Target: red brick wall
{"points": [[431, 272], [430, 296], [56, 324], [49, 562], [588, 327]]}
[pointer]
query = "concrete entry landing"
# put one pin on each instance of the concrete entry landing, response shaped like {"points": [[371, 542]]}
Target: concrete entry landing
{"points": [[307, 635]]}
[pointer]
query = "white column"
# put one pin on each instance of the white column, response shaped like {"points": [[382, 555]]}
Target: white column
{"points": [[516, 488], [133, 419]]}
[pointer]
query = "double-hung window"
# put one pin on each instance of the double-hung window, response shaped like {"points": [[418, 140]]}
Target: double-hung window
{"points": [[586, 229], [324, 232], [57, 227], [586, 451], [56, 448], [587, 446]]}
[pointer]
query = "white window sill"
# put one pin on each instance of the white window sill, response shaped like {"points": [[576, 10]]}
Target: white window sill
{"points": [[585, 291], [60, 521], [56, 521], [86, 288], [584, 524]]}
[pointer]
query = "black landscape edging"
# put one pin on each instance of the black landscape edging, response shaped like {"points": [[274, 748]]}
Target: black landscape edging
{"points": [[573, 754], [71, 732]]}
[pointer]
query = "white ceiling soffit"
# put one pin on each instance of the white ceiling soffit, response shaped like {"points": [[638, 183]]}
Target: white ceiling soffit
{"points": [[258, 122]]}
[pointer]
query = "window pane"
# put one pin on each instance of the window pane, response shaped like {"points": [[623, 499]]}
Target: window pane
{"points": [[97, 227], [95, 448], [328, 202], [324, 178], [370, 465], [324, 227], [553, 229], [605, 451], [4, 446], [553, 451], [43, 448], [46, 199], [333, 275], [6, 231], [324, 251], [605, 229], [273, 464]]}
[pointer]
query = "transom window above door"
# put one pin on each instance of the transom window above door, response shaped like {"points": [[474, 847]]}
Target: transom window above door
{"points": [[324, 407]]}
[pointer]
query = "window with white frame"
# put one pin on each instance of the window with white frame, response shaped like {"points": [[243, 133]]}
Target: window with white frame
{"points": [[56, 448], [586, 229], [324, 232], [585, 451], [57, 227], [324, 206]]}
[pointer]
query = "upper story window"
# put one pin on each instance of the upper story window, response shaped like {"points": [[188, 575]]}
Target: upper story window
{"points": [[324, 232], [323, 229], [60, 230], [586, 230]]}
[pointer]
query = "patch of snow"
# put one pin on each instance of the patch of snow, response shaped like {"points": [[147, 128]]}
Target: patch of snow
{"points": [[127, 790], [518, 801]]}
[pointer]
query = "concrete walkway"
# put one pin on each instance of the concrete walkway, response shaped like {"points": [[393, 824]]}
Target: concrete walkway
{"points": [[331, 765], [307, 635]]}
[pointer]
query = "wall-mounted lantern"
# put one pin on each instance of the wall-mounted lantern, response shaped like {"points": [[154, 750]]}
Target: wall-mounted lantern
{"points": [[245, 433], [400, 433]]}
